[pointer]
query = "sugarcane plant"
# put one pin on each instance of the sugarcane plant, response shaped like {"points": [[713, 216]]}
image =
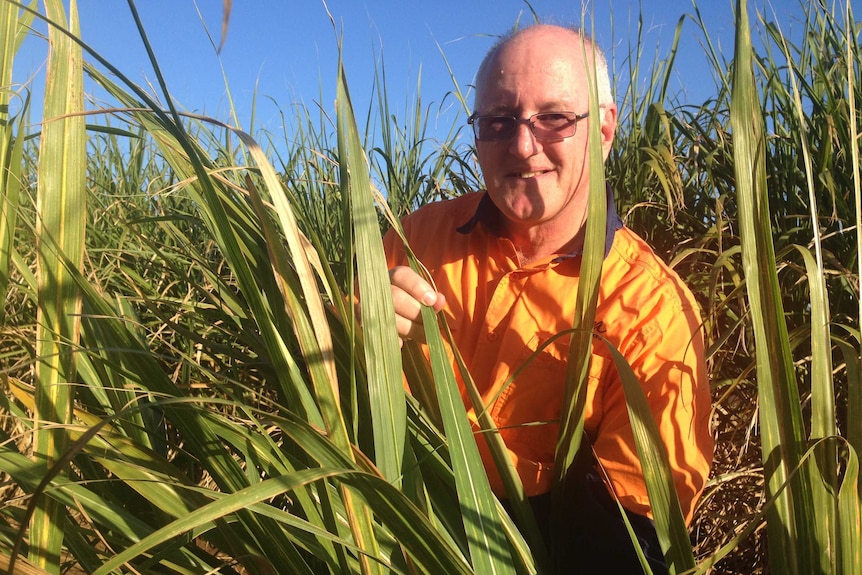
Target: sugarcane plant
{"points": [[188, 386]]}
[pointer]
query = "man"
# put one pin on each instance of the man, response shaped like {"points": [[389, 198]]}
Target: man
{"points": [[506, 264]]}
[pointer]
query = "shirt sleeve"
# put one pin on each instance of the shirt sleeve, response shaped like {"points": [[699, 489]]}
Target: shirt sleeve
{"points": [[394, 249]]}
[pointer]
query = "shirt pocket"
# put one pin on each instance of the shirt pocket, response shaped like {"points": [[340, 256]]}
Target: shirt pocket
{"points": [[528, 410]]}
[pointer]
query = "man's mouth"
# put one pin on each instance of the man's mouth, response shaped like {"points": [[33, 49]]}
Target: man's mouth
{"points": [[526, 175]]}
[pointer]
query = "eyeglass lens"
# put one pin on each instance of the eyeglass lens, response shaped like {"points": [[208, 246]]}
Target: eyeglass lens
{"points": [[545, 126]]}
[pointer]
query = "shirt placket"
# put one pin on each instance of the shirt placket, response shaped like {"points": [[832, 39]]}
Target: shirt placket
{"points": [[501, 341]]}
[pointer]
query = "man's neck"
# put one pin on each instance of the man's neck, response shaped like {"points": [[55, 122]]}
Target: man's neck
{"points": [[540, 242]]}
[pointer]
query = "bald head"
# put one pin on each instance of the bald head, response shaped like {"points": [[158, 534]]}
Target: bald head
{"points": [[534, 88], [566, 40]]}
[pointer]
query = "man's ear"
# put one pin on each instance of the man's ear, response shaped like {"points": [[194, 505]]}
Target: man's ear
{"points": [[609, 128]]}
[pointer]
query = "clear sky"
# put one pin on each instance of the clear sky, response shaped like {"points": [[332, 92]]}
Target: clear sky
{"points": [[286, 50]]}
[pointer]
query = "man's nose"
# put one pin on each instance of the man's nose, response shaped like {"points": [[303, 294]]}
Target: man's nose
{"points": [[524, 143]]}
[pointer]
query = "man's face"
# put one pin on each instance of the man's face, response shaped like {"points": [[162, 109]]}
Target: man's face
{"points": [[538, 184]]}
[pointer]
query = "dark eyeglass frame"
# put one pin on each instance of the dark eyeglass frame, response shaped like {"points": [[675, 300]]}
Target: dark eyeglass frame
{"points": [[475, 121]]}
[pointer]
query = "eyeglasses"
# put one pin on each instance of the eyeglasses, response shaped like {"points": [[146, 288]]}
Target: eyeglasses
{"points": [[544, 125]]}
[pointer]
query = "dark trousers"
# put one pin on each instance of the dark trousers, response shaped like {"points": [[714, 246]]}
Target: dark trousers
{"points": [[595, 539]]}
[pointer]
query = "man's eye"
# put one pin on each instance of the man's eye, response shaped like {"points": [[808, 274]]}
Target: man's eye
{"points": [[553, 119], [497, 124]]}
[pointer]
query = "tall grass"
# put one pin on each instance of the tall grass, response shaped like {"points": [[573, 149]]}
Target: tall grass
{"points": [[13, 111], [750, 217], [61, 207], [215, 405]]}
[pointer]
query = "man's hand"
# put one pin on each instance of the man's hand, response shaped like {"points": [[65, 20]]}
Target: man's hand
{"points": [[409, 293]]}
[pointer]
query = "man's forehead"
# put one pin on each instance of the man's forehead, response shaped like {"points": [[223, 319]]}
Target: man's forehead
{"points": [[549, 85], [501, 104]]}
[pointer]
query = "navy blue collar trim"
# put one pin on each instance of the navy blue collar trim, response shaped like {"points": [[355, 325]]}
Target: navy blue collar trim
{"points": [[488, 215]]}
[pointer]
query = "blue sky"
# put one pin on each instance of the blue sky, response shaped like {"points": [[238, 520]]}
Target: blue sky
{"points": [[286, 50]]}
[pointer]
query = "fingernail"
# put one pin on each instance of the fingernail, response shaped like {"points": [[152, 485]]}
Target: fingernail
{"points": [[429, 297]]}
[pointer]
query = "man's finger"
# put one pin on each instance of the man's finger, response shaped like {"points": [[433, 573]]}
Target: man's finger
{"points": [[409, 293]]}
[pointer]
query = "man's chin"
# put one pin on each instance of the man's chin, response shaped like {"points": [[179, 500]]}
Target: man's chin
{"points": [[521, 208]]}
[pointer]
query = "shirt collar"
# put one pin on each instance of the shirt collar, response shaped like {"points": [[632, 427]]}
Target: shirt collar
{"points": [[489, 216]]}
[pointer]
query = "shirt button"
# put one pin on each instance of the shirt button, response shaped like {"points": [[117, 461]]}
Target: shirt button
{"points": [[492, 336]]}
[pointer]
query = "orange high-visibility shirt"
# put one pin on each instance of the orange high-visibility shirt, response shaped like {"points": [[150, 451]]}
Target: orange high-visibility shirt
{"points": [[500, 313]]}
